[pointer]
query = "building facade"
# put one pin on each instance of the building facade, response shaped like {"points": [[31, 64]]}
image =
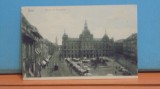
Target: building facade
{"points": [[130, 46], [127, 47], [118, 46], [86, 45], [30, 52], [35, 49]]}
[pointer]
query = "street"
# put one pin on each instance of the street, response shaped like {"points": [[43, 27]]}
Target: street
{"points": [[63, 68]]}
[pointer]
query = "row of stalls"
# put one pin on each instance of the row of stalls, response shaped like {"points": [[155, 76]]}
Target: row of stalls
{"points": [[77, 67]]}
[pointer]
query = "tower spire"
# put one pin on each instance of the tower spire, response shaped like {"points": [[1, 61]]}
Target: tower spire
{"points": [[85, 25], [105, 35], [56, 41], [64, 31]]}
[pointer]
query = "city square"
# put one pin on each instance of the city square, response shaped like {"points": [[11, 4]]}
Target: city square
{"points": [[88, 51]]}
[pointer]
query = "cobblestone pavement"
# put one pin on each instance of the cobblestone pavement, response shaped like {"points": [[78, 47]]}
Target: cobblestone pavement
{"points": [[105, 70], [63, 68], [128, 64]]}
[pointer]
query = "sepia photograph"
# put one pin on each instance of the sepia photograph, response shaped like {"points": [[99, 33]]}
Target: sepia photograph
{"points": [[79, 42]]}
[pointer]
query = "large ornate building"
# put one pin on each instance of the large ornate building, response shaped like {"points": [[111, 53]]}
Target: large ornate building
{"points": [[86, 45]]}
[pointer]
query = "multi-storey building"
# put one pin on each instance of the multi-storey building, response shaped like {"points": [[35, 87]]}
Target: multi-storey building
{"points": [[35, 49], [86, 45], [130, 46], [127, 47], [30, 37], [118, 46]]}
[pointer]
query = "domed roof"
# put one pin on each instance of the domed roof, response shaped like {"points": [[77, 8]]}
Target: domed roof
{"points": [[105, 37], [65, 35]]}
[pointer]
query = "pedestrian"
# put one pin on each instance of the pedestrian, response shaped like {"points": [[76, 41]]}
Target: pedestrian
{"points": [[56, 67], [115, 72]]}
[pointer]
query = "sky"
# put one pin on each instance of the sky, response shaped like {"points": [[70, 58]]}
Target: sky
{"points": [[119, 21]]}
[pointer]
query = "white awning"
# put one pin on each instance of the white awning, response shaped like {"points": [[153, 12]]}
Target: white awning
{"points": [[43, 62], [46, 59], [37, 50]]}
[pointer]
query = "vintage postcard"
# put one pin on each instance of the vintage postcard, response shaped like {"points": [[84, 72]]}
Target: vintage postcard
{"points": [[79, 42]]}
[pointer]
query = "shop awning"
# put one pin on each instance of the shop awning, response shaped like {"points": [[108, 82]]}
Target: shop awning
{"points": [[43, 62], [37, 50], [46, 59]]}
